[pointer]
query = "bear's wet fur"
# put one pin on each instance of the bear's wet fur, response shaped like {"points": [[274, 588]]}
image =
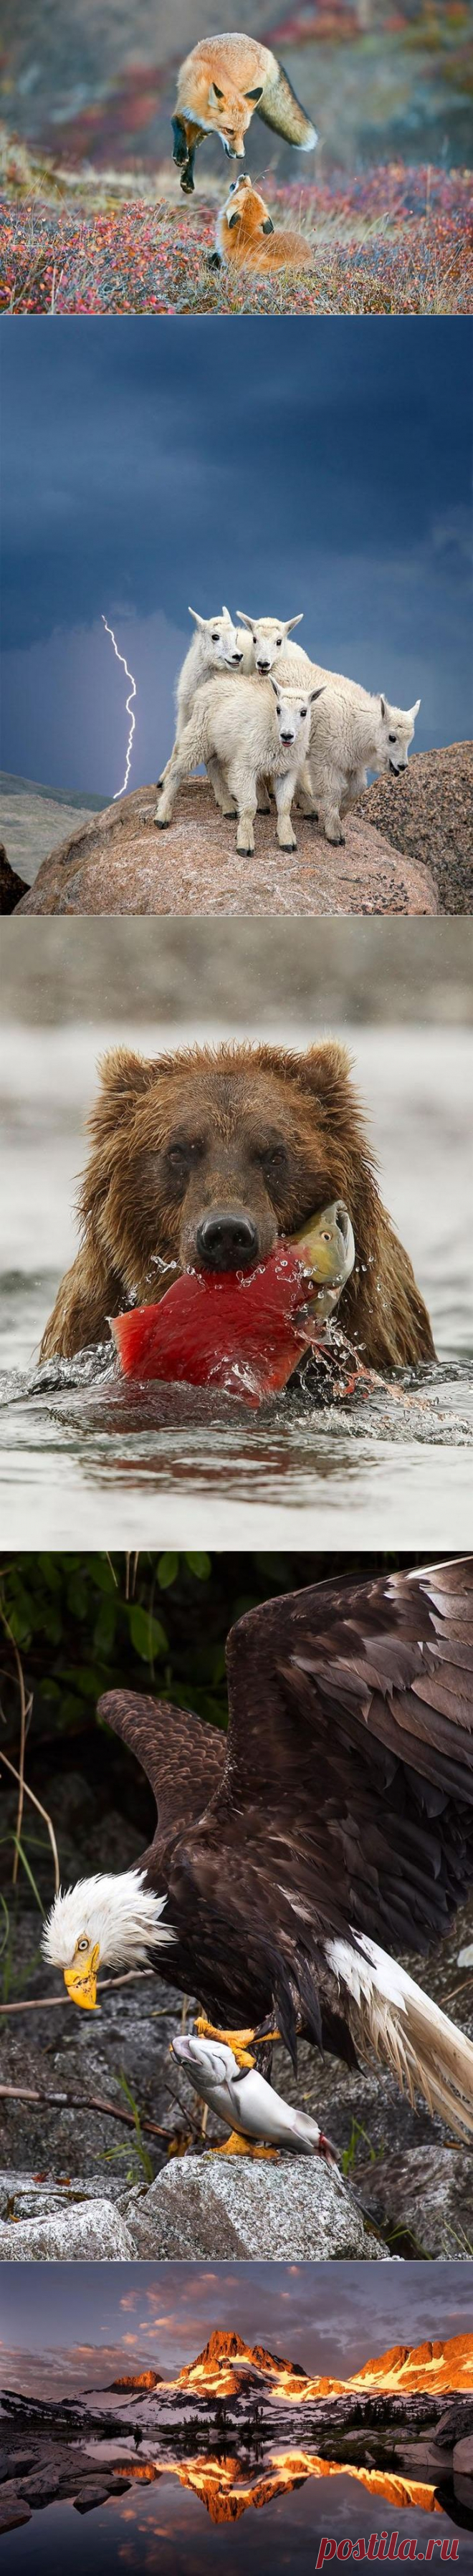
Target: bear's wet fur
{"points": [[255, 1130]]}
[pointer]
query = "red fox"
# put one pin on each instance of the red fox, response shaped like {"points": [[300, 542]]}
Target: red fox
{"points": [[221, 83], [246, 238]]}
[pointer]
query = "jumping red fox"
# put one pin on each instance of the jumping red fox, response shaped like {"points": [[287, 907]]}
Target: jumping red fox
{"points": [[246, 238], [221, 83]]}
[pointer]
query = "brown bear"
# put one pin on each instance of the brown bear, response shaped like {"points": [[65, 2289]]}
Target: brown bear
{"points": [[201, 1159]]}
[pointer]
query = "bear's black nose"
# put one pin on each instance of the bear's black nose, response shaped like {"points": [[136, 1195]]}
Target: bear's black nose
{"points": [[226, 1242]]}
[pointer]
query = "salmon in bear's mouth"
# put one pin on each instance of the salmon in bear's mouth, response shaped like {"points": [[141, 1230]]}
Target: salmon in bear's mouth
{"points": [[242, 1329]]}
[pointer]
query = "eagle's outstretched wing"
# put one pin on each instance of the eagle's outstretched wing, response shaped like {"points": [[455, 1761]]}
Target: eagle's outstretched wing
{"points": [[182, 1757], [348, 1783]]}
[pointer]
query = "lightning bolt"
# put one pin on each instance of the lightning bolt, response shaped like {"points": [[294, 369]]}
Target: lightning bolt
{"points": [[121, 791]]}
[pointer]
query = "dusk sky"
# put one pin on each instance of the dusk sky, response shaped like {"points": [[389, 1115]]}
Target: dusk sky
{"points": [[278, 465], [88, 2321]]}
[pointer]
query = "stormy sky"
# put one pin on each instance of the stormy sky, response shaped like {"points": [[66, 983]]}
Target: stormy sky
{"points": [[311, 464], [88, 2321]]}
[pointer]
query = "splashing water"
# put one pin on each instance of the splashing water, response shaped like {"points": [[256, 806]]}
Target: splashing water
{"points": [[121, 791]]}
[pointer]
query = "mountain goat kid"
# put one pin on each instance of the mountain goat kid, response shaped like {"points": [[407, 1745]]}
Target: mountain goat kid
{"points": [[251, 732], [216, 646], [355, 732]]}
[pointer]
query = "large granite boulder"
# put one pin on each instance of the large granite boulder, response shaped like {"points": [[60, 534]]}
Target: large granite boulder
{"points": [[206, 2207], [119, 863], [94, 2232]]}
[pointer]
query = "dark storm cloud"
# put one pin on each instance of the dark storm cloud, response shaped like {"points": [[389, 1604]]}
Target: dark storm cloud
{"points": [[97, 2319], [310, 464]]}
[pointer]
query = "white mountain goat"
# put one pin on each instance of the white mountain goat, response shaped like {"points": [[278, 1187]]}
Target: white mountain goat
{"points": [[354, 732], [216, 646], [269, 638], [250, 732]]}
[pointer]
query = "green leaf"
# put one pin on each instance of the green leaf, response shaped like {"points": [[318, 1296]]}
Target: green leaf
{"points": [[105, 1624], [147, 1635], [168, 1567], [199, 1564]]}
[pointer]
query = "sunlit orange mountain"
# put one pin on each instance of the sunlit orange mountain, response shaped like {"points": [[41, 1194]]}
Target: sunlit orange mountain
{"points": [[139, 2379], [447, 2364], [223, 2368]]}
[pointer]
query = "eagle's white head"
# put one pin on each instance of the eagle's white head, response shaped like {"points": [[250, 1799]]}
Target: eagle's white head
{"points": [[103, 1920]]}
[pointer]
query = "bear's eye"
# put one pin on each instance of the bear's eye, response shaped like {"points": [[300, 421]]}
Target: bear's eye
{"points": [[391, 737], [178, 1156], [274, 1158]]}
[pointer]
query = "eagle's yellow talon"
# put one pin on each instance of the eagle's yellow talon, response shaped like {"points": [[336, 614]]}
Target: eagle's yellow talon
{"points": [[236, 2145], [237, 2040]]}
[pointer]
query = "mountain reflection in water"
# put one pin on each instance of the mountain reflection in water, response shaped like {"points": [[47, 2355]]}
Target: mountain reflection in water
{"points": [[158, 2528]]}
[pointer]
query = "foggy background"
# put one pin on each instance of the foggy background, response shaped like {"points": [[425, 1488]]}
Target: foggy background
{"points": [[277, 465]]}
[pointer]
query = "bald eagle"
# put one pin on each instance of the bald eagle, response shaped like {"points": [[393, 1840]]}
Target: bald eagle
{"points": [[330, 1828]]}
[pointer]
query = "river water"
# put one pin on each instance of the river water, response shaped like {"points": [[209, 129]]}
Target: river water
{"points": [[75, 1473]]}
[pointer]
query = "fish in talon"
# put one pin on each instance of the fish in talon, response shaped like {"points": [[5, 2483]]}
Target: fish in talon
{"points": [[241, 2097]]}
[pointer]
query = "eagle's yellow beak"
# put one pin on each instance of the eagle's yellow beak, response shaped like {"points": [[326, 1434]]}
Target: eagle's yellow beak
{"points": [[81, 1979]]}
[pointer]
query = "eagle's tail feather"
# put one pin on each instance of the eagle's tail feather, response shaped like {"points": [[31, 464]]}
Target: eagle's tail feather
{"points": [[391, 2016]]}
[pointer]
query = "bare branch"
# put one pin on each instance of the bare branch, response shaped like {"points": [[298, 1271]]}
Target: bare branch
{"points": [[53, 2003], [81, 2102]]}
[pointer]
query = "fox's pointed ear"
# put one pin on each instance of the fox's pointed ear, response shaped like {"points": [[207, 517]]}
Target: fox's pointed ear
{"points": [[215, 95], [255, 94], [268, 226], [232, 220], [293, 621], [245, 621], [198, 621]]}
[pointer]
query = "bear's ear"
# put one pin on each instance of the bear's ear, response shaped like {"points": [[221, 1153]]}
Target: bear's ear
{"points": [[325, 1070], [326, 1063], [123, 1079]]}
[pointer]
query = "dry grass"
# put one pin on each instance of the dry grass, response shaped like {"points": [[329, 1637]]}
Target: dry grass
{"points": [[389, 240]]}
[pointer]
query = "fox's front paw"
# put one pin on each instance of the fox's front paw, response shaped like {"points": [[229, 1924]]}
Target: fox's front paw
{"points": [[180, 145], [214, 260]]}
